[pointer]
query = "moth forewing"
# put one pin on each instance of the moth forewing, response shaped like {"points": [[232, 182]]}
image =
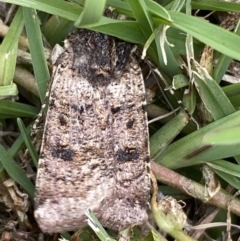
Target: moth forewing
{"points": [[95, 152]]}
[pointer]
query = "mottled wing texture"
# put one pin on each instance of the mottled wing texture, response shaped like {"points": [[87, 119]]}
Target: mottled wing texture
{"points": [[94, 153]]}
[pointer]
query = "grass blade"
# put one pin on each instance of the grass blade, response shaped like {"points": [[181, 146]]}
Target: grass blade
{"points": [[28, 142], [37, 52], [15, 171]]}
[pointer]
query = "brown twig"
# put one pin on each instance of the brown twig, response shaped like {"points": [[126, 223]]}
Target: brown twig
{"points": [[222, 199]]}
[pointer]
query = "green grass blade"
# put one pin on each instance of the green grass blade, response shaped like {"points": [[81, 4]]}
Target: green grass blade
{"points": [[216, 5], [160, 139], [126, 30], [193, 149], [211, 93], [37, 51], [233, 92], [56, 29], [229, 178], [15, 109], [158, 10], [28, 142], [18, 144], [226, 167], [142, 16], [15, 171], [8, 54], [61, 8], [92, 13], [178, 5], [97, 227], [219, 136], [219, 39], [8, 90], [159, 49], [223, 62]]}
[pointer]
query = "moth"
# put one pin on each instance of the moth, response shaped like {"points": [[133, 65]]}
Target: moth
{"points": [[95, 151]]}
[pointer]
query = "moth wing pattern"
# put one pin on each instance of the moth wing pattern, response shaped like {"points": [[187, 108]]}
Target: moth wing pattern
{"points": [[95, 152]]}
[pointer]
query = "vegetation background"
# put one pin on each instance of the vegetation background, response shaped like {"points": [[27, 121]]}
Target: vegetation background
{"points": [[192, 84]]}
